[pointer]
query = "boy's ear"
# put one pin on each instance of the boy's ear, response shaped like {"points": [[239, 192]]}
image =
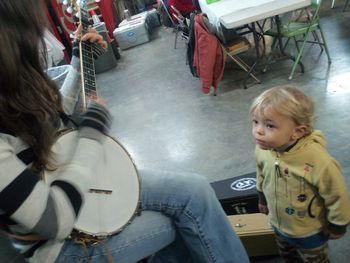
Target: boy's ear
{"points": [[299, 132]]}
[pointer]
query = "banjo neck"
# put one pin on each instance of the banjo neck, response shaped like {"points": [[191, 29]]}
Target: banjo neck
{"points": [[113, 194], [87, 67]]}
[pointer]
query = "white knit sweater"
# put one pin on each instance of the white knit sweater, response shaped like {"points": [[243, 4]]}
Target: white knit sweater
{"points": [[31, 205]]}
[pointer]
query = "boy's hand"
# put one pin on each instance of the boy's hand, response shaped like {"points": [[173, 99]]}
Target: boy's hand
{"points": [[332, 235], [263, 209], [335, 236]]}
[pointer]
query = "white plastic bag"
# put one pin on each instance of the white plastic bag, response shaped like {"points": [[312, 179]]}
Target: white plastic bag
{"points": [[54, 48]]}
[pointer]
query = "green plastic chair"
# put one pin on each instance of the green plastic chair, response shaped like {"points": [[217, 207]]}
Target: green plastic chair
{"points": [[293, 29]]}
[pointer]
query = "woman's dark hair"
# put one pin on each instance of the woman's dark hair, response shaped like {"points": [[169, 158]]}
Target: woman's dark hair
{"points": [[29, 100]]}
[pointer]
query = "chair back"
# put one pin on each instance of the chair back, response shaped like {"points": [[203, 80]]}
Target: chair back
{"points": [[179, 17], [165, 9], [316, 3]]}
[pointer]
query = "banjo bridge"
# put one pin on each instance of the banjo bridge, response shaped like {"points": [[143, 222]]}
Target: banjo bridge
{"points": [[100, 191]]}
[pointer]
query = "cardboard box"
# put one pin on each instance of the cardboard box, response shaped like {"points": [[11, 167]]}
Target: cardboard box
{"points": [[133, 33], [238, 195], [255, 233]]}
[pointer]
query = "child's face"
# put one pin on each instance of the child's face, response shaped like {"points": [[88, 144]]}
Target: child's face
{"points": [[272, 130]]}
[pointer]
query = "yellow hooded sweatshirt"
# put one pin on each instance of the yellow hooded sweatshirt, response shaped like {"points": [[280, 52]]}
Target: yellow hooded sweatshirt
{"points": [[304, 188]]}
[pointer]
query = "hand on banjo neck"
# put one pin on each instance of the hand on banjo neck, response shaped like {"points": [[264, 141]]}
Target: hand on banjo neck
{"points": [[93, 37]]}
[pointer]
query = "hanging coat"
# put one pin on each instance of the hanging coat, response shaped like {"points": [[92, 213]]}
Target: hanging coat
{"points": [[209, 58], [191, 44]]}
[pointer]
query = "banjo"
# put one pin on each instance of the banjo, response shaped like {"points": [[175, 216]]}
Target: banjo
{"points": [[112, 200]]}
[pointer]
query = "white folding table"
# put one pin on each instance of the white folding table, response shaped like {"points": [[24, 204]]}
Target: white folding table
{"points": [[237, 13]]}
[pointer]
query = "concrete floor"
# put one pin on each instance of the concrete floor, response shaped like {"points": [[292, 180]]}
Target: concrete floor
{"points": [[166, 122]]}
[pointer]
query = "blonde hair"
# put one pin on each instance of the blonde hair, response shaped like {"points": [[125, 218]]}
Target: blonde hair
{"points": [[288, 101]]}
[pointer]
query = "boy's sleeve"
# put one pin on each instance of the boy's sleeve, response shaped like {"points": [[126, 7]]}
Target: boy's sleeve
{"points": [[259, 173], [259, 179], [332, 188]]}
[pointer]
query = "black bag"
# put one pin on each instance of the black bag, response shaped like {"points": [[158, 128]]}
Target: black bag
{"points": [[238, 195]]}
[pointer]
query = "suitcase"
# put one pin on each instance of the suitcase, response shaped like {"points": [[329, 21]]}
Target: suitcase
{"points": [[255, 233], [153, 18], [237, 195], [140, 16], [132, 33]]}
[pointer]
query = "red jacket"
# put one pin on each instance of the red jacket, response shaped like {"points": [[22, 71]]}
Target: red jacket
{"points": [[209, 57]]}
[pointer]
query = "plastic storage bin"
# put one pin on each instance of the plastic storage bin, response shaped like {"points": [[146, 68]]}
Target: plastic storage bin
{"points": [[133, 33]]}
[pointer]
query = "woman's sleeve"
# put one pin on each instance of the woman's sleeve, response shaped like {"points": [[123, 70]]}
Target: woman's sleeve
{"points": [[67, 77], [7, 252], [70, 89], [48, 209]]}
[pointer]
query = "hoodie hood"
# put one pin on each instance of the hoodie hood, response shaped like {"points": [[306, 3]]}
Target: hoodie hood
{"points": [[315, 137]]}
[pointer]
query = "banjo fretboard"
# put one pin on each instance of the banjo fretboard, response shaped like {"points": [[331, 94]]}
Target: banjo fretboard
{"points": [[88, 81]]}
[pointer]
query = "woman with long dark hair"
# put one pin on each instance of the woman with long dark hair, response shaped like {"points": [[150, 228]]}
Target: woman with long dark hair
{"points": [[180, 213]]}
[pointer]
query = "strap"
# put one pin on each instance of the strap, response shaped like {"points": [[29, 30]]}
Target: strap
{"points": [[86, 240], [29, 253], [30, 237]]}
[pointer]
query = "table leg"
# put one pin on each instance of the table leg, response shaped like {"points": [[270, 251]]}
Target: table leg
{"points": [[278, 26], [258, 56]]}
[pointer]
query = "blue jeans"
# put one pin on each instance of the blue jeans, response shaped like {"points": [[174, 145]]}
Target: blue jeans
{"points": [[182, 221]]}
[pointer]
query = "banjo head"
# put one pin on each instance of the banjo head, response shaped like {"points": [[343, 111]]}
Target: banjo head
{"points": [[112, 200]]}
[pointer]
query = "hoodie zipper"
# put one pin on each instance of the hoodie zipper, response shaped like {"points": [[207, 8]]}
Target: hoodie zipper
{"points": [[277, 176]]}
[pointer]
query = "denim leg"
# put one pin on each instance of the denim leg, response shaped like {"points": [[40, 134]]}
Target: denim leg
{"points": [[191, 224], [176, 252], [191, 203], [147, 234]]}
